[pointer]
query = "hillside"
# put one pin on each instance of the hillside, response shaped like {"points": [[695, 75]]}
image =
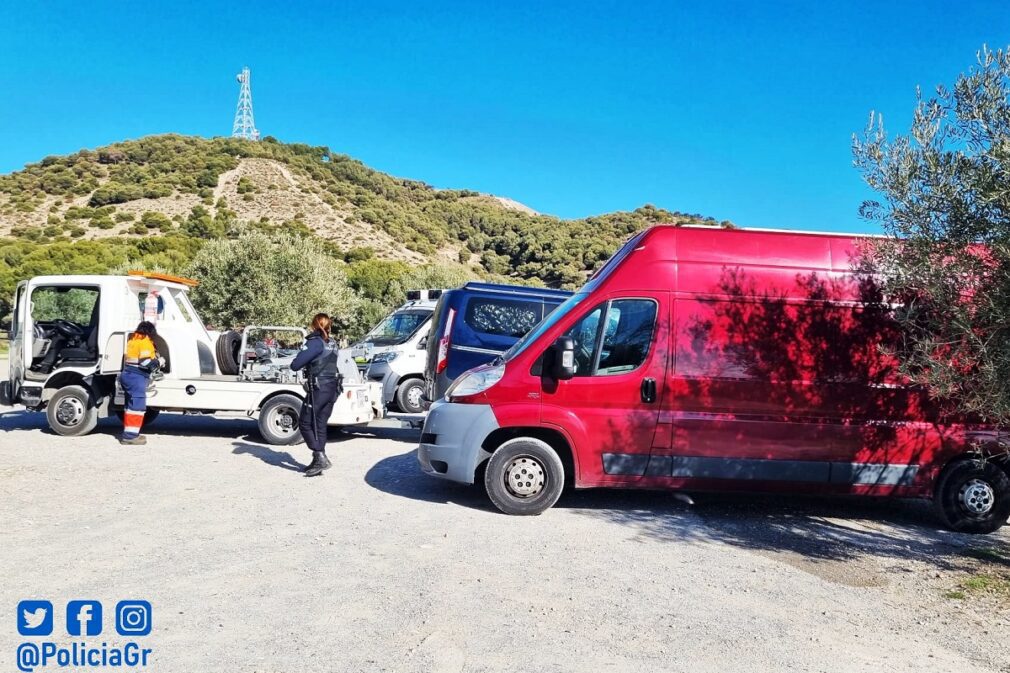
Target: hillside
{"points": [[195, 188]]}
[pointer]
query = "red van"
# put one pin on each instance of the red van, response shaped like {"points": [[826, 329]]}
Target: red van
{"points": [[712, 359]]}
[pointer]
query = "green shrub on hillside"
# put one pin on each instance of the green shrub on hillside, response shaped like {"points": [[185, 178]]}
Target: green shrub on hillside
{"points": [[155, 220], [115, 192], [246, 186]]}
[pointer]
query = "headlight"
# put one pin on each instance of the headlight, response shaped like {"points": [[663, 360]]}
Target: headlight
{"points": [[475, 381], [388, 356]]}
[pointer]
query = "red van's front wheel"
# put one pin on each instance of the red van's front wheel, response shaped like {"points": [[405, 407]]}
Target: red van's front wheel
{"points": [[524, 476]]}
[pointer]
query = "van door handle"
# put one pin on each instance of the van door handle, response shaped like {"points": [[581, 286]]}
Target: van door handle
{"points": [[648, 390]]}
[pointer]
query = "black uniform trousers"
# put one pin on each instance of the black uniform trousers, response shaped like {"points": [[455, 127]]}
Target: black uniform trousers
{"points": [[316, 412]]}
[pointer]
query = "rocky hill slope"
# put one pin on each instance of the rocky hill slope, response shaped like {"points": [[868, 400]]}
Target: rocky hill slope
{"points": [[205, 188]]}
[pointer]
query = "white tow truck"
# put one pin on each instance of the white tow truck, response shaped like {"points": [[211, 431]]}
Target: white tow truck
{"points": [[68, 337]]}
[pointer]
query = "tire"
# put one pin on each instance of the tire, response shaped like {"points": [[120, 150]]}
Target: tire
{"points": [[278, 420], [149, 416], [226, 350], [408, 396], [973, 496], [514, 461], [71, 412], [6, 397]]}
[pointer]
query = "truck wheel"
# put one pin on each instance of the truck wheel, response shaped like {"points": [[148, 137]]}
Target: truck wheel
{"points": [[149, 416], [973, 496], [226, 349], [524, 476], [408, 396], [71, 413], [278, 420]]}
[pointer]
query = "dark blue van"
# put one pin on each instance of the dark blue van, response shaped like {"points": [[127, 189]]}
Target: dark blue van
{"points": [[475, 323]]}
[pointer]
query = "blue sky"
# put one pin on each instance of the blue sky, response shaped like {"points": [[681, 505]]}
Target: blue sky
{"points": [[738, 110]]}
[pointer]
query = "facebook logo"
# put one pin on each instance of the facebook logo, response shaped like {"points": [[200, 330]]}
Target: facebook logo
{"points": [[84, 618]]}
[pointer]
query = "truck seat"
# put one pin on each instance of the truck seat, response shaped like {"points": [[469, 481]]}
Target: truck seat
{"points": [[87, 351]]}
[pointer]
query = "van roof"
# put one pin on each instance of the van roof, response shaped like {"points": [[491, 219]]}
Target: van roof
{"points": [[751, 247], [773, 230], [706, 260], [517, 290]]}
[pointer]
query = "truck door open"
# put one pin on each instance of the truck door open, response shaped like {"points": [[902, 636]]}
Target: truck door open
{"points": [[18, 335], [112, 354]]}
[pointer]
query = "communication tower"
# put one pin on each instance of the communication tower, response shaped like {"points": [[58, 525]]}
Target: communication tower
{"points": [[244, 125]]}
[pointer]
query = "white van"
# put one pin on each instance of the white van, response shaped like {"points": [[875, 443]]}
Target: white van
{"points": [[393, 352], [68, 336]]}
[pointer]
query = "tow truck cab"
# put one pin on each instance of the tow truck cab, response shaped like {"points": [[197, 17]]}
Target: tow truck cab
{"points": [[66, 330], [708, 359]]}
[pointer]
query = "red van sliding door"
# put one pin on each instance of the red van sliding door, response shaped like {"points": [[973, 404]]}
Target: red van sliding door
{"points": [[769, 389]]}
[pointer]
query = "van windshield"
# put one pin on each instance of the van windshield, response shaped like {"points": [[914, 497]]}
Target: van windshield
{"points": [[549, 321], [397, 327]]}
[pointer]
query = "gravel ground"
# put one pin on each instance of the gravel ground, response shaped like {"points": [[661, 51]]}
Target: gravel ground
{"points": [[376, 567]]}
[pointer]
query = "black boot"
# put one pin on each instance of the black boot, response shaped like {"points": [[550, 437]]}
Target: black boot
{"points": [[319, 463]]}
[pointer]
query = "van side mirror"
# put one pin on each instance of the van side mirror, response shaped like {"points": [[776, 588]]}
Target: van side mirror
{"points": [[423, 343], [563, 362]]}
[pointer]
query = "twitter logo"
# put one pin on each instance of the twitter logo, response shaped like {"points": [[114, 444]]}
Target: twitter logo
{"points": [[35, 618]]}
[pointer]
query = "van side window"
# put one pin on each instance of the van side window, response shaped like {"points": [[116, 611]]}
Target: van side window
{"points": [[502, 317], [585, 333], [628, 335], [618, 343]]}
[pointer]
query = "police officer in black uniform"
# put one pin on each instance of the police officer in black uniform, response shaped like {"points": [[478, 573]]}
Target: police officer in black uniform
{"points": [[322, 385]]}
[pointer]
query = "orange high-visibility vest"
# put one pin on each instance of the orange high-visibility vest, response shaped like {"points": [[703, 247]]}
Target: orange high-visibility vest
{"points": [[138, 349]]}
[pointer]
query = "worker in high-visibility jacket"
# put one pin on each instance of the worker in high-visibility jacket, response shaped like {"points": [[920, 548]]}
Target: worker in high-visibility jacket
{"points": [[140, 362]]}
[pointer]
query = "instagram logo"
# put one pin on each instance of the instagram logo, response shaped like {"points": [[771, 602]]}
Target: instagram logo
{"points": [[133, 618]]}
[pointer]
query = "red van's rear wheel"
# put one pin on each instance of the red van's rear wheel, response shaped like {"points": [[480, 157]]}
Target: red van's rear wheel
{"points": [[973, 496], [524, 476]]}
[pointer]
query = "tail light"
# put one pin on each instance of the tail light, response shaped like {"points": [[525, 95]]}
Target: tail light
{"points": [[443, 344]]}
